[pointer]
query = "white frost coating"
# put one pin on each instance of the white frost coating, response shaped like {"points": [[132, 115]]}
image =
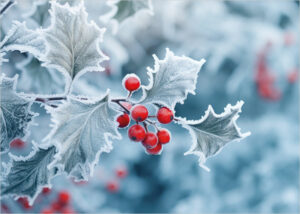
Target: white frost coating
{"points": [[23, 39], [82, 130], [15, 114], [213, 131], [171, 80], [73, 42], [34, 168]]}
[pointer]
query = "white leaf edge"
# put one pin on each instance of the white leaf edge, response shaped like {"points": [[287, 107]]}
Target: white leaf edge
{"points": [[151, 71], [69, 81], [13, 157], [15, 26], [108, 139], [227, 110], [22, 96]]}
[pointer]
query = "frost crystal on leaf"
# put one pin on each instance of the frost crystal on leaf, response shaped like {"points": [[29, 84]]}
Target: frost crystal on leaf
{"points": [[212, 132], [81, 132], [15, 112], [73, 43], [24, 40], [28, 175], [127, 8], [171, 80]]}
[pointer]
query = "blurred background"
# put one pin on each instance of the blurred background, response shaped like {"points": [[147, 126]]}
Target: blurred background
{"points": [[252, 54]]}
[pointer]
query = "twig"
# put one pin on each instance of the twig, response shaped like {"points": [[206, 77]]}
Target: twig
{"points": [[8, 4]]}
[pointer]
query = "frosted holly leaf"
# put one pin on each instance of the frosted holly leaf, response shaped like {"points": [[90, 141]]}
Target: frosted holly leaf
{"points": [[171, 80], [82, 131], [24, 40], [14, 112], [127, 8], [73, 41], [28, 175], [213, 131], [35, 78]]}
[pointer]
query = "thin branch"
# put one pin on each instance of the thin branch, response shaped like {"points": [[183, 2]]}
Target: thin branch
{"points": [[8, 4]]}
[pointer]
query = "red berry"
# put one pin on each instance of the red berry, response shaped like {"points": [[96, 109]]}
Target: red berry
{"points": [[128, 106], [150, 140], [123, 120], [136, 133], [156, 150], [139, 113], [47, 211], [17, 143], [163, 136], [131, 82], [165, 115], [24, 201], [64, 197], [112, 186], [46, 190], [121, 172]]}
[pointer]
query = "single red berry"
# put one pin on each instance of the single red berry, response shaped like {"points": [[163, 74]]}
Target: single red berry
{"points": [[165, 115], [112, 186], [47, 211], [17, 143], [128, 106], [156, 150], [139, 113], [123, 120], [64, 197], [163, 136], [136, 133], [131, 82], [121, 172], [46, 190], [24, 201], [150, 140]]}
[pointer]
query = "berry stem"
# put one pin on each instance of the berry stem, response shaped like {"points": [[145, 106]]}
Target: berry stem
{"points": [[146, 126], [176, 119], [118, 101], [153, 123], [129, 95]]}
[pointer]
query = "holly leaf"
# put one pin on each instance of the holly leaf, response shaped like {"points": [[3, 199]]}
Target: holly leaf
{"points": [[14, 112], [82, 131], [127, 8], [73, 42], [24, 40], [171, 80], [213, 131], [26, 176], [35, 78]]}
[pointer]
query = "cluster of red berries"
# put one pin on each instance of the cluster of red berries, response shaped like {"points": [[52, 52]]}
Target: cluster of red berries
{"points": [[139, 113], [60, 205]]}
